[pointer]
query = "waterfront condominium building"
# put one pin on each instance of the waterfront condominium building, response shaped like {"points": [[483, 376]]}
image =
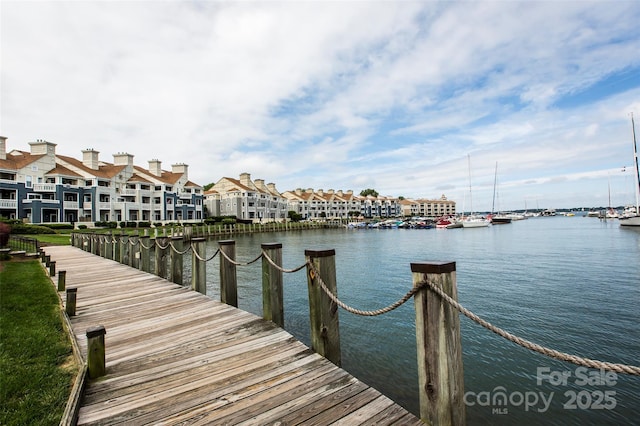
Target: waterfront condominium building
{"points": [[246, 199], [428, 208], [332, 204], [40, 186]]}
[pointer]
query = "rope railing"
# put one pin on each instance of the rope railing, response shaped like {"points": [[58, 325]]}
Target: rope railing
{"points": [[232, 261], [355, 311], [584, 362], [280, 268]]}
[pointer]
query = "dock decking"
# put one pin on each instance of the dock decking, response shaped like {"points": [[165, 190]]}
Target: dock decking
{"points": [[175, 356]]}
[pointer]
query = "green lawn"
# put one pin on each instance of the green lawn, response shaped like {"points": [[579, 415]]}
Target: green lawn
{"points": [[36, 363]]}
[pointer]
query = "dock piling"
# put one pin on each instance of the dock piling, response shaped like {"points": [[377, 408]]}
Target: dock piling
{"points": [[440, 373]]}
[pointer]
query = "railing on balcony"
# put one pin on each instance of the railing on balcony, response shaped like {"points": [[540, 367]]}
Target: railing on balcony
{"points": [[70, 204], [44, 187], [8, 204]]}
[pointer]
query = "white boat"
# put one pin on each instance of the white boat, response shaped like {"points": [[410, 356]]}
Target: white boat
{"points": [[473, 221], [629, 218]]}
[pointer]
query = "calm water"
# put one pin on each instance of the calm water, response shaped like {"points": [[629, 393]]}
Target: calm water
{"points": [[568, 283]]}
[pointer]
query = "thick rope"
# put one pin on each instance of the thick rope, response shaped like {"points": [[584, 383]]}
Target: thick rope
{"points": [[355, 311], [280, 268], [178, 251], [240, 263], [585, 362], [195, 253]]}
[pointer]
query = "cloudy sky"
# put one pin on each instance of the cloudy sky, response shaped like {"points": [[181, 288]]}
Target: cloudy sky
{"points": [[397, 96]]}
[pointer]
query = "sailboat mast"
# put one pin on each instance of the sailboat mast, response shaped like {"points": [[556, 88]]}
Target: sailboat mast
{"points": [[635, 157], [495, 182], [470, 199]]}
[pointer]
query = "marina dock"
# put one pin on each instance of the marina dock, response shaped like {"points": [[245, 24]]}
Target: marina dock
{"points": [[175, 356]]}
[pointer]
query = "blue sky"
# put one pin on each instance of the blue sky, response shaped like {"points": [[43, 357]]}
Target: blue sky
{"points": [[395, 96]]}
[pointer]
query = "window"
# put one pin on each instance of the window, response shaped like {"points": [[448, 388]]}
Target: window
{"points": [[28, 181]]}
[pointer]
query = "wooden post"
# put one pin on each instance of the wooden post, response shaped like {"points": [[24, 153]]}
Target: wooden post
{"points": [[135, 254], [108, 246], [228, 279], [161, 257], [177, 264], [272, 297], [199, 267], [47, 260], [145, 248], [52, 268], [96, 362], [62, 280], [70, 306], [133, 250], [323, 312], [124, 249], [440, 373]]}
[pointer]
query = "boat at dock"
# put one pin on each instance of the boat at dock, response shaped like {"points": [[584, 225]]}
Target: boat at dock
{"points": [[632, 217]]}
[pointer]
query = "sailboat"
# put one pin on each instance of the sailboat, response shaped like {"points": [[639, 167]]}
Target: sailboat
{"points": [[497, 219], [473, 221], [630, 217]]}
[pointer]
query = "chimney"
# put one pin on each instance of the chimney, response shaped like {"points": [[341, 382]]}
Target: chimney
{"points": [[90, 159], [320, 192], [259, 183], [123, 159], [245, 179], [42, 147], [298, 191], [330, 191], [272, 188], [3, 148], [180, 168], [340, 193], [155, 167]]}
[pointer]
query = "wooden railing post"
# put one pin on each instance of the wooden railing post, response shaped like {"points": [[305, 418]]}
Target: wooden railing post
{"points": [[108, 246], [70, 305], [161, 257], [272, 297], [135, 253], [145, 248], [124, 249], [62, 280], [323, 312], [199, 267], [440, 373], [228, 278], [52, 268], [96, 360], [177, 264]]}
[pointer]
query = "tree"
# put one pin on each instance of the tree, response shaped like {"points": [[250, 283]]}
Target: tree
{"points": [[208, 186], [295, 217], [369, 191]]}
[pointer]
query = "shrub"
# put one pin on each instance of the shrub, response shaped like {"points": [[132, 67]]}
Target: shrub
{"points": [[144, 224], [82, 226], [26, 229], [5, 231], [59, 225]]}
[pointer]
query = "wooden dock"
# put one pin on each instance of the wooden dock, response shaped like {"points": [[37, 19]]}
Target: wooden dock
{"points": [[174, 356]]}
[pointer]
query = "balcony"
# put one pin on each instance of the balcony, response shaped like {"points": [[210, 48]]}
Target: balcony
{"points": [[44, 187], [8, 204], [70, 205]]}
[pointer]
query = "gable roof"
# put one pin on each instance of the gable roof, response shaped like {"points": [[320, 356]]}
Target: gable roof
{"points": [[18, 159], [105, 170]]}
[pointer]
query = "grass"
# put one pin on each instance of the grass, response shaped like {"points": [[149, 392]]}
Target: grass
{"points": [[53, 239], [36, 363]]}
